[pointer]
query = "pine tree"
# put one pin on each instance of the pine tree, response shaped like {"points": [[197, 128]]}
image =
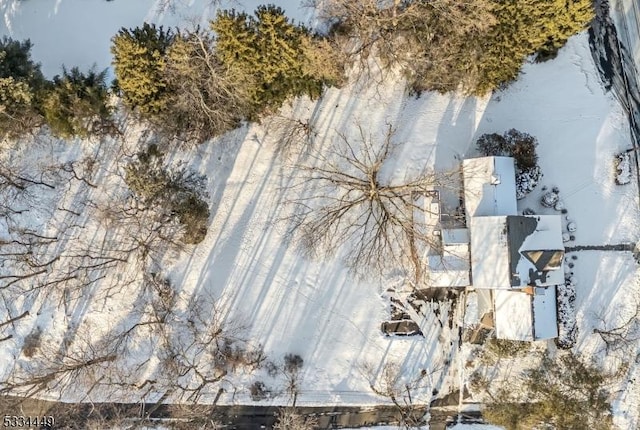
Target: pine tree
{"points": [[269, 51], [16, 62], [21, 87], [444, 45], [76, 105], [139, 62], [176, 194], [528, 27]]}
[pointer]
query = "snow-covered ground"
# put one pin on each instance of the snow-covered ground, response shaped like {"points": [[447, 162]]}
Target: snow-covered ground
{"points": [[315, 308]]}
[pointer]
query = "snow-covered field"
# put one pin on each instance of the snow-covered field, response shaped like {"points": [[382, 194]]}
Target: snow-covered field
{"points": [[315, 308]]}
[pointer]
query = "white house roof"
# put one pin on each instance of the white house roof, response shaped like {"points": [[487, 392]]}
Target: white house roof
{"points": [[516, 251], [517, 259], [489, 186], [489, 252], [449, 270], [522, 316], [545, 323], [451, 236], [541, 253], [451, 267]]}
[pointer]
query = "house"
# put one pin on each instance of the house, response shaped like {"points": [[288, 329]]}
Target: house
{"points": [[515, 260]]}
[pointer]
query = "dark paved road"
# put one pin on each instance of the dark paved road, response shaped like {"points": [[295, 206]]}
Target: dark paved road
{"points": [[77, 416]]}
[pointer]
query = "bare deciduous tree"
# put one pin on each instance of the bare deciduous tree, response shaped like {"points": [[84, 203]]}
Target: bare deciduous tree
{"points": [[390, 383], [68, 368], [624, 333], [290, 131], [434, 42], [207, 99], [291, 419], [357, 208]]}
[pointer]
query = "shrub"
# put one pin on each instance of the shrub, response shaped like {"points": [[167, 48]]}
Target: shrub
{"points": [[292, 363], [259, 391], [493, 144], [76, 105], [522, 147], [507, 348], [178, 193], [32, 342]]}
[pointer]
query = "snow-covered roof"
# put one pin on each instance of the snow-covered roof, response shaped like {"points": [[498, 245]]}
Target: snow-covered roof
{"points": [[489, 186], [448, 271], [540, 254], [545, 323], [523, 316], [451, 268], [489, 252], [516, 251], [452, 236]]}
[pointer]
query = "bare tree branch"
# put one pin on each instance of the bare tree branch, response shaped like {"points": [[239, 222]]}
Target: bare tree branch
{"points": [[377, 223]]}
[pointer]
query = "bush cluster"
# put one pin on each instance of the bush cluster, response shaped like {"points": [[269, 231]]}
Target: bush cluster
{"points": [[522, 147], [445, 46], [177, 193], [199, 84]]}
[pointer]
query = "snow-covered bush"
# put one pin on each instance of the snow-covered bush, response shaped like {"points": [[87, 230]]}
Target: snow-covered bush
{"points": [[567, 327], [493, 144], [623, 167], [527, 180], [550, 199], [522, 147]]}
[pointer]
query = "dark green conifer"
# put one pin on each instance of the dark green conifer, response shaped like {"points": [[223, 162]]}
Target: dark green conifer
{"points": [[76, 105]]}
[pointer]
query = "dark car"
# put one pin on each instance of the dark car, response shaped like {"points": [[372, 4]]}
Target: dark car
{"points": [[400, 328]]}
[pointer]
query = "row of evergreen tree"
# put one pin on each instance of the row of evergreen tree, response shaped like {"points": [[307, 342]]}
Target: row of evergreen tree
{"points": [[189, 85], [194, 85], [198, 84], [72, 104]]}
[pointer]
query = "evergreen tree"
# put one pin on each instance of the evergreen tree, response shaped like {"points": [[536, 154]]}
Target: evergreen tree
{"points": [[527, 27], [21, 87], [444, 45], [76, 105], [16, 62], [176, 194], [269, 52], [139, 57], [563, 394]]}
